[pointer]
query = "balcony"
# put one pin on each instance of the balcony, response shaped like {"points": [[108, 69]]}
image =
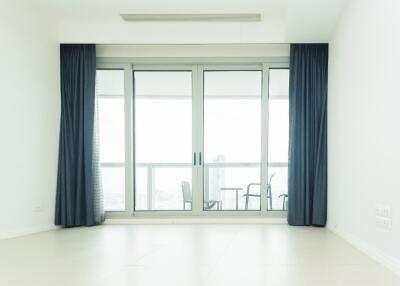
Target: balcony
{"points": [[158, 185]]}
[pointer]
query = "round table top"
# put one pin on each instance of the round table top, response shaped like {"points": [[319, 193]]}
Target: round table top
{"points": [[231, 189]]}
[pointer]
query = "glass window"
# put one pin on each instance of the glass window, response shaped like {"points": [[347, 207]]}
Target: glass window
{"points": [[279, 82], [278, 132], [232, 83], [278, 139], [163, 140], [232, 140], [227, 127], [161, 83], [111, 118], [111, 123], [113, 183], [110, 82]]}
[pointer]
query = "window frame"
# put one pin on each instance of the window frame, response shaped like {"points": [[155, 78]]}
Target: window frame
{"points": [[127, 137], [197, 66]]}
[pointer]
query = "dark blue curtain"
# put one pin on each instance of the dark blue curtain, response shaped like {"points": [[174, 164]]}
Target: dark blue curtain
{"points": [[308, 134], [79, 197]]}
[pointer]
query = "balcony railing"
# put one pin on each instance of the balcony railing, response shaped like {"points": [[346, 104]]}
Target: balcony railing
{"points": [[210, 192]]}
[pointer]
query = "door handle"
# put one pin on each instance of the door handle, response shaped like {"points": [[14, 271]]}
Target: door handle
{"points": [[194, 158], [200, 158]]}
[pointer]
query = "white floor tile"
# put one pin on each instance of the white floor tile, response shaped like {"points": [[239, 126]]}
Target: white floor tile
{"points": [[199, 255]]}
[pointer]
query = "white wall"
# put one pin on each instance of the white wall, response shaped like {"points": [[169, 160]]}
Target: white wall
{"points": [[29, 119], [193, 51], [283, 21], [364, 126]]}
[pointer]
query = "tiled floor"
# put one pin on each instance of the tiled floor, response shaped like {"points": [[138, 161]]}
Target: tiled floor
{"points": [[257, 254]]}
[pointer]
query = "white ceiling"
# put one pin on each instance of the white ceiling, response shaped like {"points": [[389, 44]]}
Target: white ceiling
{"points": [[283, 21]]}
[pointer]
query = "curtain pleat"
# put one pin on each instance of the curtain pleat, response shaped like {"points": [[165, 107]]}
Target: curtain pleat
{"points": [[307, 178], [79, 196]]}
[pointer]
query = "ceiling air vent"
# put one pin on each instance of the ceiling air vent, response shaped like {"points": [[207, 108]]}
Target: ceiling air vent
{"points": [[239, 17]]}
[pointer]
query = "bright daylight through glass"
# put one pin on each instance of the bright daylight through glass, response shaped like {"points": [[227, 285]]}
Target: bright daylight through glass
{"points": [[110, 104], [163, 132]]}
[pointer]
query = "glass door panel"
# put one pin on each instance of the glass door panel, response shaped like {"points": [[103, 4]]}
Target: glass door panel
{"points": [[163, 140], [232, 140], [110, 116], [278, 139]]}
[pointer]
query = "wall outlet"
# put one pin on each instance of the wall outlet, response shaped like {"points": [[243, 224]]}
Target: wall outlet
{"points": [[387, 224], [378, 210], [387, 211], [383, 216], [383, 211]]}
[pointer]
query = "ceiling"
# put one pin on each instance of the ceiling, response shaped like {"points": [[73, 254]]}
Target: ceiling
{"points": [[283, 21]]}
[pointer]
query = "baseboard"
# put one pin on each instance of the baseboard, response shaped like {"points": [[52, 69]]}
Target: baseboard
{"points": [[378, 255], [202, 220], [26, 231]]}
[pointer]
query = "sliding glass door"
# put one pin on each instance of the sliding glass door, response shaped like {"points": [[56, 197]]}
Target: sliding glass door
{"points": [[110, 116], [194, 139], [278, 139], [232, 140], [163, 140]]}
